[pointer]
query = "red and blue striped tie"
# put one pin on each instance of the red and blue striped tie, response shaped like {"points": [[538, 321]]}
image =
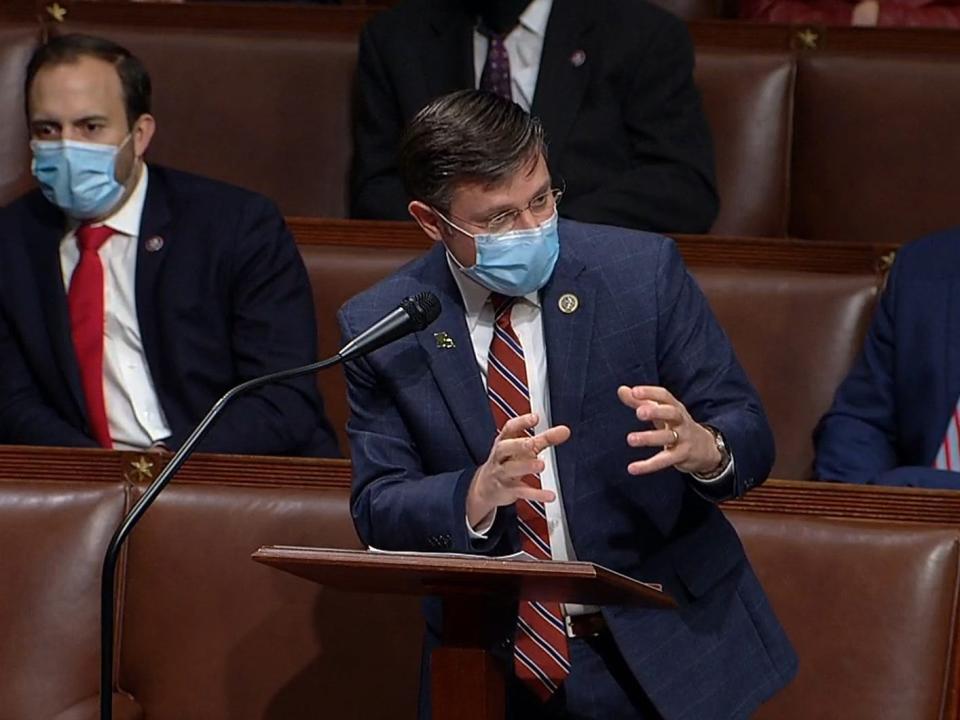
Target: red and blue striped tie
{"points": [[948, 457], [541, 657]]}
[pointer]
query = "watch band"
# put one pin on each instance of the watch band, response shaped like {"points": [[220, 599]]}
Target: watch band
{"points": [[724, 454]]}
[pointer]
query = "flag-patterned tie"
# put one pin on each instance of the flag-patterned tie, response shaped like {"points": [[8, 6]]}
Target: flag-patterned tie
{"points": [[948, 457], [541, 657], [495, 77], [85, 301]]}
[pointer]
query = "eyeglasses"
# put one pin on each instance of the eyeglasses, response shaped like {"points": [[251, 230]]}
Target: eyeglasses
{"points": [[541, 207]]}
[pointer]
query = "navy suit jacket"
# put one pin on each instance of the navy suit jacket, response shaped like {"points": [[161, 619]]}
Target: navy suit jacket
{"points": [[226, 298], [625, 127], [890, 415], [421, 425]]}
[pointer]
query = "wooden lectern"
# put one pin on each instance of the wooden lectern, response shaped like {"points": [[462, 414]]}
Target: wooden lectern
{"points": [[466, 684]]}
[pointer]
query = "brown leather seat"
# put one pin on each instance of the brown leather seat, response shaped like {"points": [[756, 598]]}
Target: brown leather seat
{"points": [[267, 111], [16, 44], [876, 146], [868, 606], [796, 335], [846, 143], [52, 539], [337, 273], [747, 98], [207, 633]]}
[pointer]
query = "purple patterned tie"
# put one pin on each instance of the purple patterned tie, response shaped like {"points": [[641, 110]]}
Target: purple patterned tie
{"points": [[496, 72]]}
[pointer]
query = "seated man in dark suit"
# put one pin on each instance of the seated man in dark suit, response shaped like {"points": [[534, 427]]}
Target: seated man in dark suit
{"points": [[575, 399], [131, 297], [895, 418], [611, 81]]}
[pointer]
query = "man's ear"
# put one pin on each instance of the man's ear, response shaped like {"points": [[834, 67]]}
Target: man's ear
{"points": [[142, 133], [427, 219]]}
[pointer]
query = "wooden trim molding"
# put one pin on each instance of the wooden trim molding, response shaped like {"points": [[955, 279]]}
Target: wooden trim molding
{"points": [[44, 464]]}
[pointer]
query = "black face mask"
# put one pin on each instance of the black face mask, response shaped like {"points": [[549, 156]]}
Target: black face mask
{"points": [[499, 16]]}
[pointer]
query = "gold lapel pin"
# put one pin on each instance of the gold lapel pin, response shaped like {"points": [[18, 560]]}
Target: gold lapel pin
{"points": [[444, 341], [568, 303]]}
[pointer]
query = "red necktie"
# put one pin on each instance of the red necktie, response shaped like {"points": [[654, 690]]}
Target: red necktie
{"points": [[85, 300], [541, 657], [948, 457]]}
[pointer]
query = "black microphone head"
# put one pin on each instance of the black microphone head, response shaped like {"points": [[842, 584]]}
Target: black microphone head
{"points": [[422, 308]]}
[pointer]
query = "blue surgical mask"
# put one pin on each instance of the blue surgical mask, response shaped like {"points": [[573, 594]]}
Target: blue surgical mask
{"points": [[518, 262], [78, 177]]}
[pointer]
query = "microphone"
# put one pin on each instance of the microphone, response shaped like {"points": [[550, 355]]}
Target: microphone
{"points": [[415, 313]]}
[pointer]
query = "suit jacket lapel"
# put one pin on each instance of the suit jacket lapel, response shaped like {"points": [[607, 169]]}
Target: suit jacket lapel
{"points": [[562, 82], [451, 31], [153, 247], [44, 250], [455, 368], [566, 335]]}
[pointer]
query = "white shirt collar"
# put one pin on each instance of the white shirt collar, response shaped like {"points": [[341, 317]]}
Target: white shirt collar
{"points": [[475, 295], [535, 17]]}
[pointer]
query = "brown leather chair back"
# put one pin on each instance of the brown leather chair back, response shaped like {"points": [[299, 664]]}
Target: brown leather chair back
{"points": [[337, 273], [16, 44], [796, 335], [267, 111], [747, 99], [870, 608], [208, 633], [53, 535], [877, 147]]}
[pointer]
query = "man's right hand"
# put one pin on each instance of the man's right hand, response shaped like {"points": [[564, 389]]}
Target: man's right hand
{"points": [[499, 481]]}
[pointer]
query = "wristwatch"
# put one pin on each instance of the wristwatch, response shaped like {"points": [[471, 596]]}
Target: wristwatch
{"points": [[724, 455]]}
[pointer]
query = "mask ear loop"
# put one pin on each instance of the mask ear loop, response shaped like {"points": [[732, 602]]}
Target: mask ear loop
{"points": [[456, 227]]}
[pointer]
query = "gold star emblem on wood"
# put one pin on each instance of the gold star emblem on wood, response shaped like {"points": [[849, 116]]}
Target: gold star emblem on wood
{"points": [[142, 469], [808, 38], [57, 11]]}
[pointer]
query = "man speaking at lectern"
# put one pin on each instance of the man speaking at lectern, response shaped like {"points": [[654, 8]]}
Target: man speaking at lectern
{"points": [[575, 399]]}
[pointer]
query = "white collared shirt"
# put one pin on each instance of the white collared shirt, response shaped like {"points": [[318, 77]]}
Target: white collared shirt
{"points": [[526, 319], [134, 414], [524, 45]]}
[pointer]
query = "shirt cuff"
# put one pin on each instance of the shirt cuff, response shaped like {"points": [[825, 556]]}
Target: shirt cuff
{"points": [[725, 475], [483, 527]]}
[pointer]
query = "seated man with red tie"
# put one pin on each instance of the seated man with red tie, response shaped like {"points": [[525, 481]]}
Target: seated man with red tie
{"points": [[132, 297], [895, 418], [575, 399]]}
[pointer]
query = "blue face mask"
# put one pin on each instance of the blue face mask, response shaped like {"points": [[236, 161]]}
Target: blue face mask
{"points": [[78, 177], [518, 262]]}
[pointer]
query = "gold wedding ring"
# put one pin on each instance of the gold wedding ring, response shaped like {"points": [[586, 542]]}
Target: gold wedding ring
{"points": [[673, 443]]}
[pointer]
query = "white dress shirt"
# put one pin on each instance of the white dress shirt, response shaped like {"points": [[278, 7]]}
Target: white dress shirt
{"points": [[134, 414], [524, 45], [526, 321]]}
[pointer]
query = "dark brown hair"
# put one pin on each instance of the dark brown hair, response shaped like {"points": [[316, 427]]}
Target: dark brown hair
{"points": [[70, 48], [466, 136]]}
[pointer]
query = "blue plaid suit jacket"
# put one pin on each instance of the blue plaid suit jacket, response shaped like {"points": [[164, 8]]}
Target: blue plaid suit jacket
{"points": [[420, 426]]}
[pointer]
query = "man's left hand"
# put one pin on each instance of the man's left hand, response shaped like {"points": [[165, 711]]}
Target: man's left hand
{"points": [[687, 445]]}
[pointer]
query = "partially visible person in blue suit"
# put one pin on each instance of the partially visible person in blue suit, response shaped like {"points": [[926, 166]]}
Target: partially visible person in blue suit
{"points": [[894, 419], [576, 373], [132, 297]]}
